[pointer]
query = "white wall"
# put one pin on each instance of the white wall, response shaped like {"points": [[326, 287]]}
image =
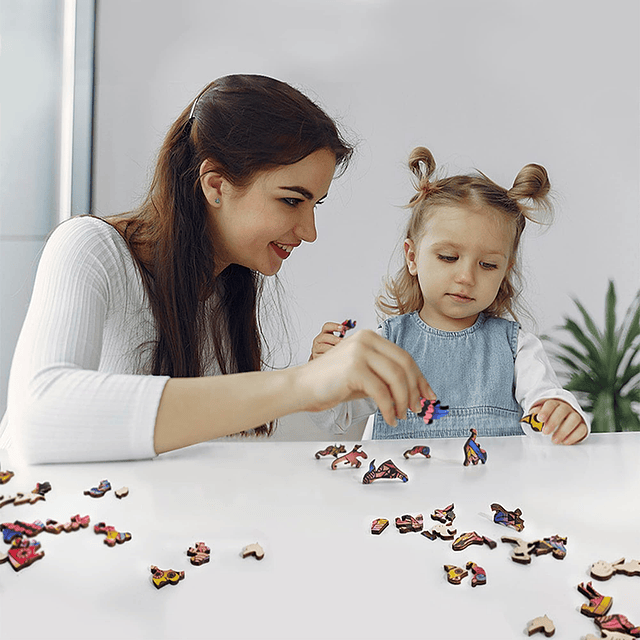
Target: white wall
{"points": [[493, 85]]}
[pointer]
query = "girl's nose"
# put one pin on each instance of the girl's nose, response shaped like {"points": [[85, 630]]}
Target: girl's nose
{"points": [[464, 274], [306, 227]]}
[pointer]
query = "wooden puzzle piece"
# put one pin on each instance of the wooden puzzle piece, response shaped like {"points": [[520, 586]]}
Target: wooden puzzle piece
{"points": [[532, 420], [432, 410], [631, 568], [332, 450], [479, 577], [618, 624], [473, 453], [443, 531], [522, 551], [467, 539], [542, 623], [598, 605], [76, 523], [386, 470], [42, 488], [455, 574], [379, 525], [444, 515], [254, 550], [100, 490], [161, 577], [123, 492], [609, 635], [113, 537], [407, 523], [602, 570], [346, 325], [17, 529], [5, 476], [5, 500], [555, 545], [507, 518], [24, 553], [350, 458], [200, 554], [418, 450], [21, 498]]}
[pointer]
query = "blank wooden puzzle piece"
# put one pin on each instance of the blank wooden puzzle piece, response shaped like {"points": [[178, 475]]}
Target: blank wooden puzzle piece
{"points": [[522, 551], [507, 518], [631, 568], [200, 554], [161, 577], [455, 574], [408, 523], [113, 537], [350, 458], [598, 605], [609, 635], [442, 531], [467, 539], [617, 623], [24, 553], [332, 450], [386, 470], [254, 550], [418, 450], [123, 492], [479, 577], [542, 623], [379, 525], [30, 498], [444, 515], [603, 570], [473, 453]]}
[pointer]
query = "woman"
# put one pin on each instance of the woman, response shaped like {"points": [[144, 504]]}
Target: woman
{"points": [[142, 335]]}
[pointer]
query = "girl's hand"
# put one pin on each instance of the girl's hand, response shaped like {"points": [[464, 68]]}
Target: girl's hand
{"points": [[561, 420], [326, 339], [364, 365]]}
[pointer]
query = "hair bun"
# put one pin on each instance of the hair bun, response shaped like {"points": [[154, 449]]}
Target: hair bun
{"points": [[532, 182], [423, 166]]}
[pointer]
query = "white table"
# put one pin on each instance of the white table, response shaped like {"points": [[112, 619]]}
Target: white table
{"points": [[324, 575]]}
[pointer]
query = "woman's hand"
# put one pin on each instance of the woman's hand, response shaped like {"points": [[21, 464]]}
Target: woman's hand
{"points": [[365, 365], [561, 420]]}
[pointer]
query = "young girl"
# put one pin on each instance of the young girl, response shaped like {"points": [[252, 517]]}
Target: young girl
{"points": [[447, 305], [142, 334]]}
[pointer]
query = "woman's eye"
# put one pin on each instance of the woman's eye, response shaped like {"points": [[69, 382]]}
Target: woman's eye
{"points": [[292, 202], [447, 258]]}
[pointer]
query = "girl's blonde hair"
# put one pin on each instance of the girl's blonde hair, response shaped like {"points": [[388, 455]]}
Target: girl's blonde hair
{"points": [[530, 190]]}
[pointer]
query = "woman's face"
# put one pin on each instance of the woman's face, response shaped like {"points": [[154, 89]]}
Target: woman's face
{"points": [[259, 226]]}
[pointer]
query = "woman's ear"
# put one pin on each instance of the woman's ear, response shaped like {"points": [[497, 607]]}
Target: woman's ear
{"points": [[410, 256], [211, 183]]}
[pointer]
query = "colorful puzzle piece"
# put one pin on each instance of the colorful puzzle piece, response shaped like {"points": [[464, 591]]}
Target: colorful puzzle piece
{"points": [[254, 550], [598, 605], [473, 453], [379, 525], [407, 523], [617, 623], [418, 449], [443, 531], [346, 325], [609, 635], [386, 470], [479, 577], [24, 553], [455, 574], [467, 539], [100, 490], [161, 578], [350, 458], [113, 537], [200, 554], [507, 518], [11, 530], [42, 488], [555, 545], [332, 450], [533, 422], [432, 410], [5, 476], [542, 623], [444, 515]]}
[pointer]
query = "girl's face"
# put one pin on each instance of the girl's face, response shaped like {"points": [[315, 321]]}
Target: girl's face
{"points": [[259, 226], [460, 261]]}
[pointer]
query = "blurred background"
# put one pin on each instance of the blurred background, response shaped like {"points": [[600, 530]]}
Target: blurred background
{"points": [[88, 89]]}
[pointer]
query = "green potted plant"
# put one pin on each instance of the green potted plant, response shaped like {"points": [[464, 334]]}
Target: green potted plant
{"points": [[603, 366]]}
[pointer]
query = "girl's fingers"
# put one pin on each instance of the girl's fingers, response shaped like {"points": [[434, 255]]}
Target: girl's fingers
{"points": [[330, 327], [572, 429]]}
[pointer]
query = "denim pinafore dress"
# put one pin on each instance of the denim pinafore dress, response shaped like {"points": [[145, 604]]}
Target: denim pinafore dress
{"points": [[471, 371]]}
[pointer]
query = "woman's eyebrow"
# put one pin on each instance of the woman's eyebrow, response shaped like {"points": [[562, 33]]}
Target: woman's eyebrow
{"points": [[305, 193]]}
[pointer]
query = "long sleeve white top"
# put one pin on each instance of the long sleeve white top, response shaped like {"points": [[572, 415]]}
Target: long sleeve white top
{"points": [[76, 392], [534, 377]]}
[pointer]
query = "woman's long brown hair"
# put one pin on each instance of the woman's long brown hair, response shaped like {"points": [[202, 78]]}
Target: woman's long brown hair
{"points": [[244, 124]]}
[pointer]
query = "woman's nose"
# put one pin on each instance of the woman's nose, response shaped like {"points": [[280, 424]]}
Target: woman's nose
{"points": [[306, 227]]}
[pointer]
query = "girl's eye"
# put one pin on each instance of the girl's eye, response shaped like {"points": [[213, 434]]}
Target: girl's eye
{"points": [[488, 265], [292, 202], [447, 258]]}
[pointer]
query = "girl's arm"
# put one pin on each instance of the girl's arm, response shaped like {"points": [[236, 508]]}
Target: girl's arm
{"points": [[537, 390]]}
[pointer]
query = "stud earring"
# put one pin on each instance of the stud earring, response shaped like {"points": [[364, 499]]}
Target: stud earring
{"points": [[217, 200]]}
